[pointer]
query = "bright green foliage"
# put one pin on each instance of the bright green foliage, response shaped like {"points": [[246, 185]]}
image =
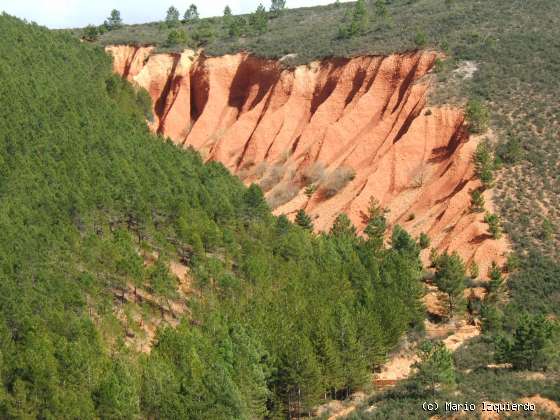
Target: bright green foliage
{"points": [[478, 116], [227, 18], [376, 224], [420, 39], [191, 14], [310, 190], [172, 17], [203, 34], [450, 279], [237, 27], [435, 370], [401, 241], [484, 164], [343, 227], [548, 229], [114, 21], [477, 201], [529, 347], [474, 270], [177, 37], [258, 20], [355, 21], [302, 219], [91, 32], [494, 225], [496, 279], [424, 241], [381, 9], [511, 151]]}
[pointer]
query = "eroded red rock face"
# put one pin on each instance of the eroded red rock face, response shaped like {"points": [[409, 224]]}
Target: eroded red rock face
{"points": [[349, 128]]}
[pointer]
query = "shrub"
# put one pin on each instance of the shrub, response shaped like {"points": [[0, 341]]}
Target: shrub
{"points": [[203, 34], [276, 7], [478, 116], [177, 37], [90, 33], [420, 39], [355, 22], [283, 193], [259, 20], [474, 270], [310, 190], [477, 201], [273, 176], [336, 181], [313, 174], [435, 367], [511, 151], [424, 241], [494, 226], [530, 346], [484, 164], [547, 229]]}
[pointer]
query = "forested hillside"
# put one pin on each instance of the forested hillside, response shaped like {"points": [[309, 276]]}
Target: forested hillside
{"points": [[279, 317]]}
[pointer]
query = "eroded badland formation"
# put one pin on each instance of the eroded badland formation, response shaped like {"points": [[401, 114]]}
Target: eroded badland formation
{"points": [[326, 137]]}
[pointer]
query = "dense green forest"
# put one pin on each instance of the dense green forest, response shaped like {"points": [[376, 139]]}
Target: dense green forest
{"points": [[280, 319]]}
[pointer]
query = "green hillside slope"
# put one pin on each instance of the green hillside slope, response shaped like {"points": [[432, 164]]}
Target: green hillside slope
{"points": [[278, 318]]}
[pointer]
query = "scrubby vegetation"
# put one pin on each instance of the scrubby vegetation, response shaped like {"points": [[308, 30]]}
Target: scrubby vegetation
{"points": [[277, 317]]}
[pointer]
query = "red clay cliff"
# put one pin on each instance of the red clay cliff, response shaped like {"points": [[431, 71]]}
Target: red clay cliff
{"points": [[326, 137]]}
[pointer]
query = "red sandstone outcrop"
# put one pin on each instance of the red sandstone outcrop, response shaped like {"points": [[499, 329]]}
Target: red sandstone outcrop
{"points": [[351, 128]]}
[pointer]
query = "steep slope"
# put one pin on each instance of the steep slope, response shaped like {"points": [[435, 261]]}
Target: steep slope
{"points": [[347, 129], [95, 213]]}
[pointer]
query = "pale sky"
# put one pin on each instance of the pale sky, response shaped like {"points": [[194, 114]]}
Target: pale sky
{"points": [[79, 13]]}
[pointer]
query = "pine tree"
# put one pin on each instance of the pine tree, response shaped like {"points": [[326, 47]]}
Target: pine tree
{"points": [[356, 21], [343, 227], [530, 346], [494, 227], [484, 164], [277, 6], [176, 37], [91, 33], [191, 14], [172, 17], [114, 21], [478, 116], [496, 278], [474, 271], [227, 18], [450, 279], [435, 368], [259, 20], [424, 241], [402, 242], [381, 9], [303, 220], [477, 201]]}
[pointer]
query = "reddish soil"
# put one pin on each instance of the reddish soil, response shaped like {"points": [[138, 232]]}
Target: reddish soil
{"points": [[360, 125]]}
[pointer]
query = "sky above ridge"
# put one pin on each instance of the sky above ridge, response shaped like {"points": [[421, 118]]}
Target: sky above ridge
{"points": [[79, 13]]}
